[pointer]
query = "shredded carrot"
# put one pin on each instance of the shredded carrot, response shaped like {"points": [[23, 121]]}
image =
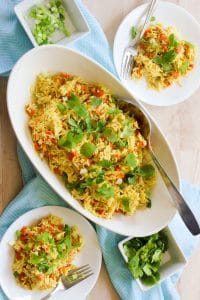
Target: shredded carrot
{"points": [[71, 155], [98, 92], [56, 170], [175, 74]]}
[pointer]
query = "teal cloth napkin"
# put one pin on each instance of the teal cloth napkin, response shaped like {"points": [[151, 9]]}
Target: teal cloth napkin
{"points": [[36, 192]]}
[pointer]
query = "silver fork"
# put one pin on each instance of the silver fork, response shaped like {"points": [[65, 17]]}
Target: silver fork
{"points": [[131, 51], [72, 278]]}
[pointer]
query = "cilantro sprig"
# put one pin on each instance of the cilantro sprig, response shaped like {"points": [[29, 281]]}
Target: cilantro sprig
{"points": [[71, 140], [105, 191], [134, 32], [88, 149], [145, 171], [165, 60]]}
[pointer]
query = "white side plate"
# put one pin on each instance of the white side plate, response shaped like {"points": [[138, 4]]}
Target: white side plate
{"points": [[168, 14], [90, 254]]}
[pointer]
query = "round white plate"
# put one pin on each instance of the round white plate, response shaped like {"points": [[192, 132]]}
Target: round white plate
{"points": [[90, 254], [168, 14]]}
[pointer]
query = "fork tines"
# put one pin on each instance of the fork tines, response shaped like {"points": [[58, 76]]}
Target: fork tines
{"points": [[77, 275]]}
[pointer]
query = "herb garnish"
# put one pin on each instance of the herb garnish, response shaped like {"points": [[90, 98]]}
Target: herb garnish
{"points": [[165, 60], [106, 164], [96, 101], [125, 203], [111, 135], [145, 171], [134, 32], [184, 66], [145, 255], [172, 41], [106, 191], [87, 149], [71, 140], [130, 159], [75, 104]]}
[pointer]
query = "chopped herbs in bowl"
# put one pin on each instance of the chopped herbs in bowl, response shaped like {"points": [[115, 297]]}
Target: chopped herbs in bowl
{"points": [[144, 256], [48, 18], [153, 258], [52, 21]]}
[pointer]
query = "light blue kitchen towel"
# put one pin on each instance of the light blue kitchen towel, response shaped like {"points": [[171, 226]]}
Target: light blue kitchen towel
{"points": [[36, 192]]}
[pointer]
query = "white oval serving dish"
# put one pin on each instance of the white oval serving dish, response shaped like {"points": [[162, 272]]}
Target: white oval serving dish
{"points": [[54, 58]]}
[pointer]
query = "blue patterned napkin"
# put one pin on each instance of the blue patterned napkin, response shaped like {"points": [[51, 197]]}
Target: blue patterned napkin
{"points": [[36, 192]]}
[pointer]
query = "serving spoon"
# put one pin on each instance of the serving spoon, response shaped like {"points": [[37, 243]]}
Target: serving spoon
{"points": [[145, 129]]}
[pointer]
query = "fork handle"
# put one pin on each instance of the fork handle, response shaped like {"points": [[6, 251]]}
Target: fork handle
{"points": [[55, 290], [150, 11]]}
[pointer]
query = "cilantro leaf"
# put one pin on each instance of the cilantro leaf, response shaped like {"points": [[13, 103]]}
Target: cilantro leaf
{"points": [[165, 60], [127, 131], [144, 256], [114, 110], [147, 269], [183, 68], [96, 101], [172, 41], [111, 135], [100, 177], [130, 159], [152, 19], [36, 259], [100, 126], [157, 255], [45, 237], [74, 126], [107, 164], [73, 101], [88, 123], [43, 267], [81, 110], [149, 203], [105, 191], [18, 233], [130, 178], [71, 140], [134, 266], [75, 104], [87, 149], [145, 171], [125, 203], [134, 32], [166, 67], [121, 144], [62, 107], [16, 274], [169, 56]]}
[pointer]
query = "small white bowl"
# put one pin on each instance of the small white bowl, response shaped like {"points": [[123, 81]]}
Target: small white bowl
{"points": [[173, 259], [75, 21]]}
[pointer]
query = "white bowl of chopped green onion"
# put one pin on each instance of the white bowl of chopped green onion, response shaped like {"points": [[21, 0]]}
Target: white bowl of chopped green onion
{"points": [[52, 21], [153, 258]]}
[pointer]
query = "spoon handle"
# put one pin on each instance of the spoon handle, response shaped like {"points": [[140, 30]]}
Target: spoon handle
{"points": [[182, 207]]}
